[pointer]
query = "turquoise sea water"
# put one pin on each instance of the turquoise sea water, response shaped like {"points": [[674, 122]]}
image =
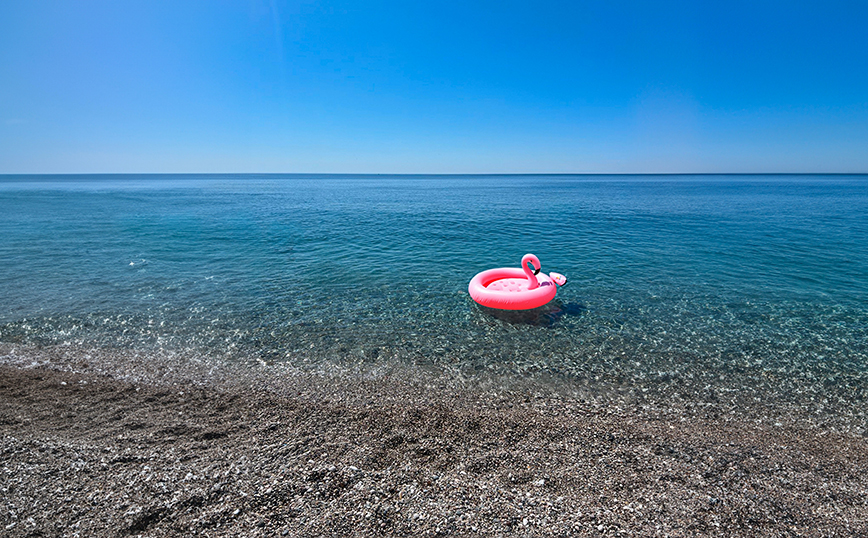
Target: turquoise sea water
{"points": [[703, 285]]}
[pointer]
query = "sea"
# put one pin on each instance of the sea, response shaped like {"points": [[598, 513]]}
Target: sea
{"points": [[702, 288]]}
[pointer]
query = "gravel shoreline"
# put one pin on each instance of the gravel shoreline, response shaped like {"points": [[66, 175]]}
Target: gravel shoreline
{"points": [[89, 454]]}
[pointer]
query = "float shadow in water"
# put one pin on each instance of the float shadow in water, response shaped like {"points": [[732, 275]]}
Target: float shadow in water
{"points": [[544, 316]]}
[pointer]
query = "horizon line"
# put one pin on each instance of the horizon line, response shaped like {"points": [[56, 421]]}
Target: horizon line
{"points": [[429, 174]]}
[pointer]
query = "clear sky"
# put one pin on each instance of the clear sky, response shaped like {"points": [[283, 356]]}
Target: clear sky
{"points": [[433, 87]]}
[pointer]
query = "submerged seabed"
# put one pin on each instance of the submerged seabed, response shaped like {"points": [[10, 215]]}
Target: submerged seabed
{"points": [[729, 290]]}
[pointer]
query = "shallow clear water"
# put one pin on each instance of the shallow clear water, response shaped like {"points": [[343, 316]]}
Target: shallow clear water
{"points": [[756, 285]]}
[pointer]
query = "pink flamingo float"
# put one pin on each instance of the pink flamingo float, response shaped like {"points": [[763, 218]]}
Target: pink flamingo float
{"points": [[514, 288]]}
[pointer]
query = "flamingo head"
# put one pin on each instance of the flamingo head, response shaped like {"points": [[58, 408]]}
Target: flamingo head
{"points": [[558, 278]]}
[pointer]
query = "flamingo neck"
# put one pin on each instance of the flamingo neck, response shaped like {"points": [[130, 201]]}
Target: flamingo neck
{"points": [[533, 282]]}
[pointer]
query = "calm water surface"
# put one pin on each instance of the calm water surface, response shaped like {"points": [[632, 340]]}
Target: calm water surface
{"points": [[703, 285]]}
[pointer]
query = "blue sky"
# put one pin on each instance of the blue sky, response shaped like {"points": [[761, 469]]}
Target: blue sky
{"points": [[433, 87]]}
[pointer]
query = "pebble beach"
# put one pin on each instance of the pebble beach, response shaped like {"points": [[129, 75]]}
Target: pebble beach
{"points": [[178, 452]]}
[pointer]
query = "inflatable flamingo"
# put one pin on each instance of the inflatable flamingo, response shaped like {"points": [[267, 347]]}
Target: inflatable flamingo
{"points": [[513, 288]]}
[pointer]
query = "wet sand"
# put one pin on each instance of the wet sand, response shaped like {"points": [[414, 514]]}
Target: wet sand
{"points": [[87, 452]]}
